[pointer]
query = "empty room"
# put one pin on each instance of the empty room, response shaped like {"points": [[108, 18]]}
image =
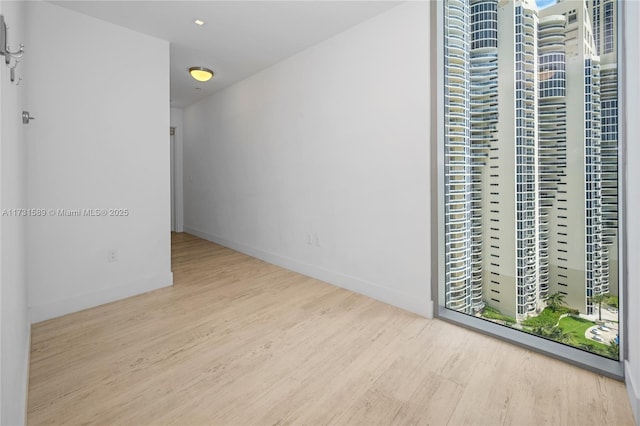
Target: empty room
{"points": [[319, 212]]}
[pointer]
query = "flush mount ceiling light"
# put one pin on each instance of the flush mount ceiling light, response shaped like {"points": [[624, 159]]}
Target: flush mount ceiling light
{"points": [[199, 22], [200, 73]]}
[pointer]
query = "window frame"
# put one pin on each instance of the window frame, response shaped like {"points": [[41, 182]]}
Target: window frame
{"points": [[571, 355]]}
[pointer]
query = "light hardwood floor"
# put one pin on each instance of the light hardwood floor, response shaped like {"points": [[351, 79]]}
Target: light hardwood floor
{"points": [[237, 341]]}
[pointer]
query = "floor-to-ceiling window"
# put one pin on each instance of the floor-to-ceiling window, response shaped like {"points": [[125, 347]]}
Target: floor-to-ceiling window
{"points": [[528, 226]]}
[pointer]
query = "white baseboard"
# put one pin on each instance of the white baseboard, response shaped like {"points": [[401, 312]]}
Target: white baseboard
{"points": [[633, 391], [357, 285], [89, 300]]}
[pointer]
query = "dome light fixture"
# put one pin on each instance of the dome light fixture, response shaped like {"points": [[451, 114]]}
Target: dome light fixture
{"points": [[201, 74]]}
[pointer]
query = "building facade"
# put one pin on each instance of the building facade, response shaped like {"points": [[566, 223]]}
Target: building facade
{"points": [[530, 154], [604, 15], [577, 259]]}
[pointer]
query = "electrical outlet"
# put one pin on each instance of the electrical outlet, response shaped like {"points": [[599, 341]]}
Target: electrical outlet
{"points": [[316, 240], [112, 255], [309, 239]]}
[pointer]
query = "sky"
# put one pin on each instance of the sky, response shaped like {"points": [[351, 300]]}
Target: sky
{"points": [[545, 3]]}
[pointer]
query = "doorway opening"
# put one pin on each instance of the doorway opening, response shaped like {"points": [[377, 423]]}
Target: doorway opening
{"points": [[173, 160]]}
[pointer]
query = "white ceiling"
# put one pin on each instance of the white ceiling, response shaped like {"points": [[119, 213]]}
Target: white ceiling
{"points": [[239, 38]]}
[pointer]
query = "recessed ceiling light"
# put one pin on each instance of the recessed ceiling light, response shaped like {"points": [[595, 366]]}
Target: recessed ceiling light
{"points": [[199, 22], [201, 73]]}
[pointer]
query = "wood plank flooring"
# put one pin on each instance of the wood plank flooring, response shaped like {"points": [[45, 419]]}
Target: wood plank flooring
{"points": [[237, 341]]}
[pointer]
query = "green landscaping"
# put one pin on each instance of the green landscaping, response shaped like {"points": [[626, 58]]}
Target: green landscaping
{"points": [[577, 327], [570, 329], [547, 318], [494, 314]]}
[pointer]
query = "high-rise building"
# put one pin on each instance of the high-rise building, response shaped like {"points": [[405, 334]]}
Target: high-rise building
{"points": [[577, 260], [604, 16], [510, 186], [457, 152], [530, 177], [552, 132], [484, 122]]}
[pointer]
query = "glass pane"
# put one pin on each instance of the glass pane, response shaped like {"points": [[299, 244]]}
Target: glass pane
{"points": [[531, 167]]}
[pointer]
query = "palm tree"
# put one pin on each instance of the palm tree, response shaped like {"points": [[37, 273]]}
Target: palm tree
{"points": [[560, 335], [555, 333], [613, 349], [555, 301], [587, 347], [542, 331], [599, 298], [564, 337]]}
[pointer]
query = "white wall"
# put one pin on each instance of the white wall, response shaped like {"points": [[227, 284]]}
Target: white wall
{"points": [[331, 142], [14, 318], [100, 95], [176, 121], [321, 162], [631, 38]]}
